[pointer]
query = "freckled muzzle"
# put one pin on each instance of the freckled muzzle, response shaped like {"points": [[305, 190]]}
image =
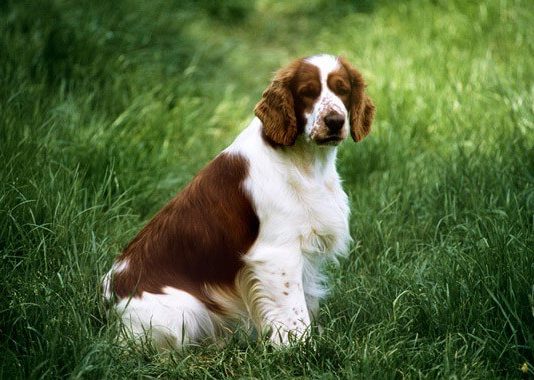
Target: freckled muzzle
{"points": [[329, 125]]}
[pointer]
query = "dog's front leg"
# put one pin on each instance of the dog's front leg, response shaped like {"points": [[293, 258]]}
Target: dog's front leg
{"points": [[275, 298]]}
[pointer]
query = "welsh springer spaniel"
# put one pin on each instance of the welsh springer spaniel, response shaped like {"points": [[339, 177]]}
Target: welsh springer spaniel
{"points": [[246, 239]]}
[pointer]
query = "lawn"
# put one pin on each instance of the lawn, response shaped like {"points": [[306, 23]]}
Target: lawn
{"points": [[108, 108]]}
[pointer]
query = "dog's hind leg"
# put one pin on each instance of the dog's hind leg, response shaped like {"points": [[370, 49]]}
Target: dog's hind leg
{"points": [[169, 320]]}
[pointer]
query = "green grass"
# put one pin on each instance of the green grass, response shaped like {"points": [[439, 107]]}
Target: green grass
{"points": [[108, 108]]}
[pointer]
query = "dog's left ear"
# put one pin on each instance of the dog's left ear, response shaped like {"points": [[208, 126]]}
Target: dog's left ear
{"points": [[276, 109], [362, 109]]}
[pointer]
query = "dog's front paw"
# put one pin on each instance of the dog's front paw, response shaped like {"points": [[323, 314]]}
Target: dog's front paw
{"points": [[283, 335]]}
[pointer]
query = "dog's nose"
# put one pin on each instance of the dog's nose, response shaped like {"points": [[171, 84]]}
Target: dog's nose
{"points": [[334, 122]]}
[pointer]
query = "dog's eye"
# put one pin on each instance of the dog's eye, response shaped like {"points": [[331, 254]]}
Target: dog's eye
{"points": [[309, 92], [342, 90]]}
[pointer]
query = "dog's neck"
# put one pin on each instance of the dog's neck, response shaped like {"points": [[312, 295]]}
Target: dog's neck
{"points": [[309, 158], [305, 157]]}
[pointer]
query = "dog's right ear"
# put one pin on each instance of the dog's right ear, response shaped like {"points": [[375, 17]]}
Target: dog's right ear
{"points": [[276, 109]]}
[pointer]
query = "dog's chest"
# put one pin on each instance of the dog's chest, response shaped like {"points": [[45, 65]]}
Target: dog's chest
{"points": [[322, 214]]}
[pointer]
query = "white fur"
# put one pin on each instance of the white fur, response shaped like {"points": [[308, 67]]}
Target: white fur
{"points": [[303, 212], [171, 319]]}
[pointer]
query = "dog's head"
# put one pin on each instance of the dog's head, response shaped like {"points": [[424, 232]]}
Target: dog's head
{"points": [[321, 97]]}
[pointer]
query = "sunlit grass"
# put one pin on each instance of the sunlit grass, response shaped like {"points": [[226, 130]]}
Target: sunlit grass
{"points": [[108, 109]]}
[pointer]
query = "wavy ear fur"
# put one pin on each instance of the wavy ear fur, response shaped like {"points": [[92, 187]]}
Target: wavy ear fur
{"points": [[276, 109], [362, 109]]}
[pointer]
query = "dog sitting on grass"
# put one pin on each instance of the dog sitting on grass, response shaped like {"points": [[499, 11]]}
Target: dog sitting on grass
{"points": [[247, 238]]}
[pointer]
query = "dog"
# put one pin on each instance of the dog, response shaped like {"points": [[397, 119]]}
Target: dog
{"points": [[246, 239]]}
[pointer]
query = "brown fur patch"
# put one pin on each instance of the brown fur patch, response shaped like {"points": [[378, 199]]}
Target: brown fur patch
{"points": [[306, 89], [361, 107], [339, 82], [197, 240], [281, 109]]}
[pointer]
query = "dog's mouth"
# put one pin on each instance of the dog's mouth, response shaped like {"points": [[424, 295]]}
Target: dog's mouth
{"points": [[329, 140]]}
